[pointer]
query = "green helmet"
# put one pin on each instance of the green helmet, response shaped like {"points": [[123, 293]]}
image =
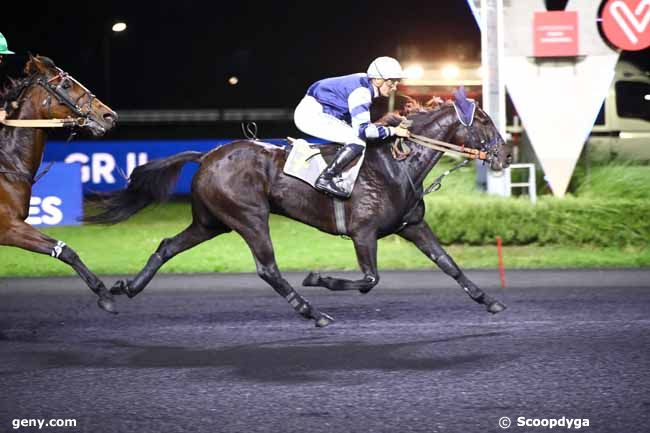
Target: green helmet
{"points": [[3, 46]]}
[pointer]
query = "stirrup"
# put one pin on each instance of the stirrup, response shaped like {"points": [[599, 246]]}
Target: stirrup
{"points": [[329, 189]]}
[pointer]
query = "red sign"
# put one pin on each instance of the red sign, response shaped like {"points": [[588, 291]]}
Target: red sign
{"points": [[626, 23], [556, 34]]}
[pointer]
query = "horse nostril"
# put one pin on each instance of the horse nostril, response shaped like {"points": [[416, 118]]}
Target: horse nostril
{"points": [[509, 159]]}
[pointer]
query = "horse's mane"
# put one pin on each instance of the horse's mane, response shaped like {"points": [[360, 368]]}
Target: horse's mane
{"points": [[10, 91], [14, 86], [413, 110]]}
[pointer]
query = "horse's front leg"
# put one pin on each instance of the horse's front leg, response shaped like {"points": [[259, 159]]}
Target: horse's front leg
{"points": [[14, 232], [365, 245], [422, 236]]}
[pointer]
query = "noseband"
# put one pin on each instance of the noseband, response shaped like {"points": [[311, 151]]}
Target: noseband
{"points": [[487, 151]]}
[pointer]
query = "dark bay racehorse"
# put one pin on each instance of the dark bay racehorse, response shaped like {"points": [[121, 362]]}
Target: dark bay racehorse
{"points": [[240, 183], [46, 92]]}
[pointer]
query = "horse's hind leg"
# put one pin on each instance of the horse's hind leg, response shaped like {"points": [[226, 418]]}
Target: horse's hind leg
{"points": [[365, 245], [255, 231], [19, 234], [193, 235], [422, 236]]}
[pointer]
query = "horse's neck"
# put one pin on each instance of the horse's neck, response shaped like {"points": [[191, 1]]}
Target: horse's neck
{"points": [[21, 149], [423, 162], [415, 167], [423, 159]]}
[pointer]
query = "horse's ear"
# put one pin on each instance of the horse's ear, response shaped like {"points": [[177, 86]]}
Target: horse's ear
{"points": [[459, 95], [34, 65], [30, 66]]}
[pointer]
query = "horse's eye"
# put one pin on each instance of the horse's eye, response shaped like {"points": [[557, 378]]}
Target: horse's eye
{"points": [[66, 84]]}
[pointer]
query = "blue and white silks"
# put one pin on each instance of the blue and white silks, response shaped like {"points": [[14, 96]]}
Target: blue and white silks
{"points": [[338, 110]]}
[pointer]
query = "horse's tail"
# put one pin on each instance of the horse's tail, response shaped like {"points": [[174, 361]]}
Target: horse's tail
{"points": [[149, 183]]}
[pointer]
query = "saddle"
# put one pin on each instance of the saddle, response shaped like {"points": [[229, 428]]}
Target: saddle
{"points": [[305, 162]]}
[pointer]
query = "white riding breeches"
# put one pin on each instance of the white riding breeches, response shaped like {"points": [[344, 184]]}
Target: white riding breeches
{"points": [[310, 119]]}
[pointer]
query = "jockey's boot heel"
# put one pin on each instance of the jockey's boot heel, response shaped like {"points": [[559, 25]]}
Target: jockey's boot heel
{"points": [[326, 181]]}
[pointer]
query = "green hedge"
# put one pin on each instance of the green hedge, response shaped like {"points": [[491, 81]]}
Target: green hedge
{"points": [[479, 219]]}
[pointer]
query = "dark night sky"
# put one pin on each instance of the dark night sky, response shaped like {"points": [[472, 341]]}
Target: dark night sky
{"points": [[179, 54]]}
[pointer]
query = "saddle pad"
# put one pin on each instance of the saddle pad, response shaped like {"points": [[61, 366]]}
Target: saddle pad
{"points": [[306, 163]]}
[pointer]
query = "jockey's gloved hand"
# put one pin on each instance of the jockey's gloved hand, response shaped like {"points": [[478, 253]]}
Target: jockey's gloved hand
{"points": [[399, 131]]}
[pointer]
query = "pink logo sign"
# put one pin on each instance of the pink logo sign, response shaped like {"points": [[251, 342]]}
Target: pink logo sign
{"points": [[555, 34], [626, 23]]}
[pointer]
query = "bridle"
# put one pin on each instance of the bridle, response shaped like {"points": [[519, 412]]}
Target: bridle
{"points": [[82, 112], [58, 91]]}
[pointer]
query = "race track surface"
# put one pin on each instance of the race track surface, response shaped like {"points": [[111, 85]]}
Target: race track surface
{"points": [[224, 353]]}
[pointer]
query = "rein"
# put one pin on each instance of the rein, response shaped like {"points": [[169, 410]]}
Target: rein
{"points": [[41, 123], [435, 186], [445, 147], [27, 176]]}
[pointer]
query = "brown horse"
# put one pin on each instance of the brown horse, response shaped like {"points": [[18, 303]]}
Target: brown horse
{"points": [[46, 92], [240, 183]]}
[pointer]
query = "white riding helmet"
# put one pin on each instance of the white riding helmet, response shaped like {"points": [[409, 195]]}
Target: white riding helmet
{"points": [[385, 68]]}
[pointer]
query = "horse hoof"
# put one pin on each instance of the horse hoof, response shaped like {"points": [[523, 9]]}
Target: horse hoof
{"points": [[323, 320], [495, 307], [365, 291], [107, 304], [312, 279]]}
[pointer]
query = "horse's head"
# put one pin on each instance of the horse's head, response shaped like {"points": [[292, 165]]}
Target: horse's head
{"points": [[475, 129], [56, 94], [460, 122]]}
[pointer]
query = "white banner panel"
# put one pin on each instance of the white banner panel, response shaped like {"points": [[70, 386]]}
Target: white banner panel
{"points": [[558, 101], [558, 105]]}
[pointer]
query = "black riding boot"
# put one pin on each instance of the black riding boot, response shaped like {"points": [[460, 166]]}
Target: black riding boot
{"points": [[326, 181]]}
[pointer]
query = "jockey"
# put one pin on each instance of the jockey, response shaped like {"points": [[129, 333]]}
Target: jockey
{"points": [[338, 110], [3, 47]]}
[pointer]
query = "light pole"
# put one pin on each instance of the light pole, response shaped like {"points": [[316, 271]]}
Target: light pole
{"points": [[116, 27]]}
